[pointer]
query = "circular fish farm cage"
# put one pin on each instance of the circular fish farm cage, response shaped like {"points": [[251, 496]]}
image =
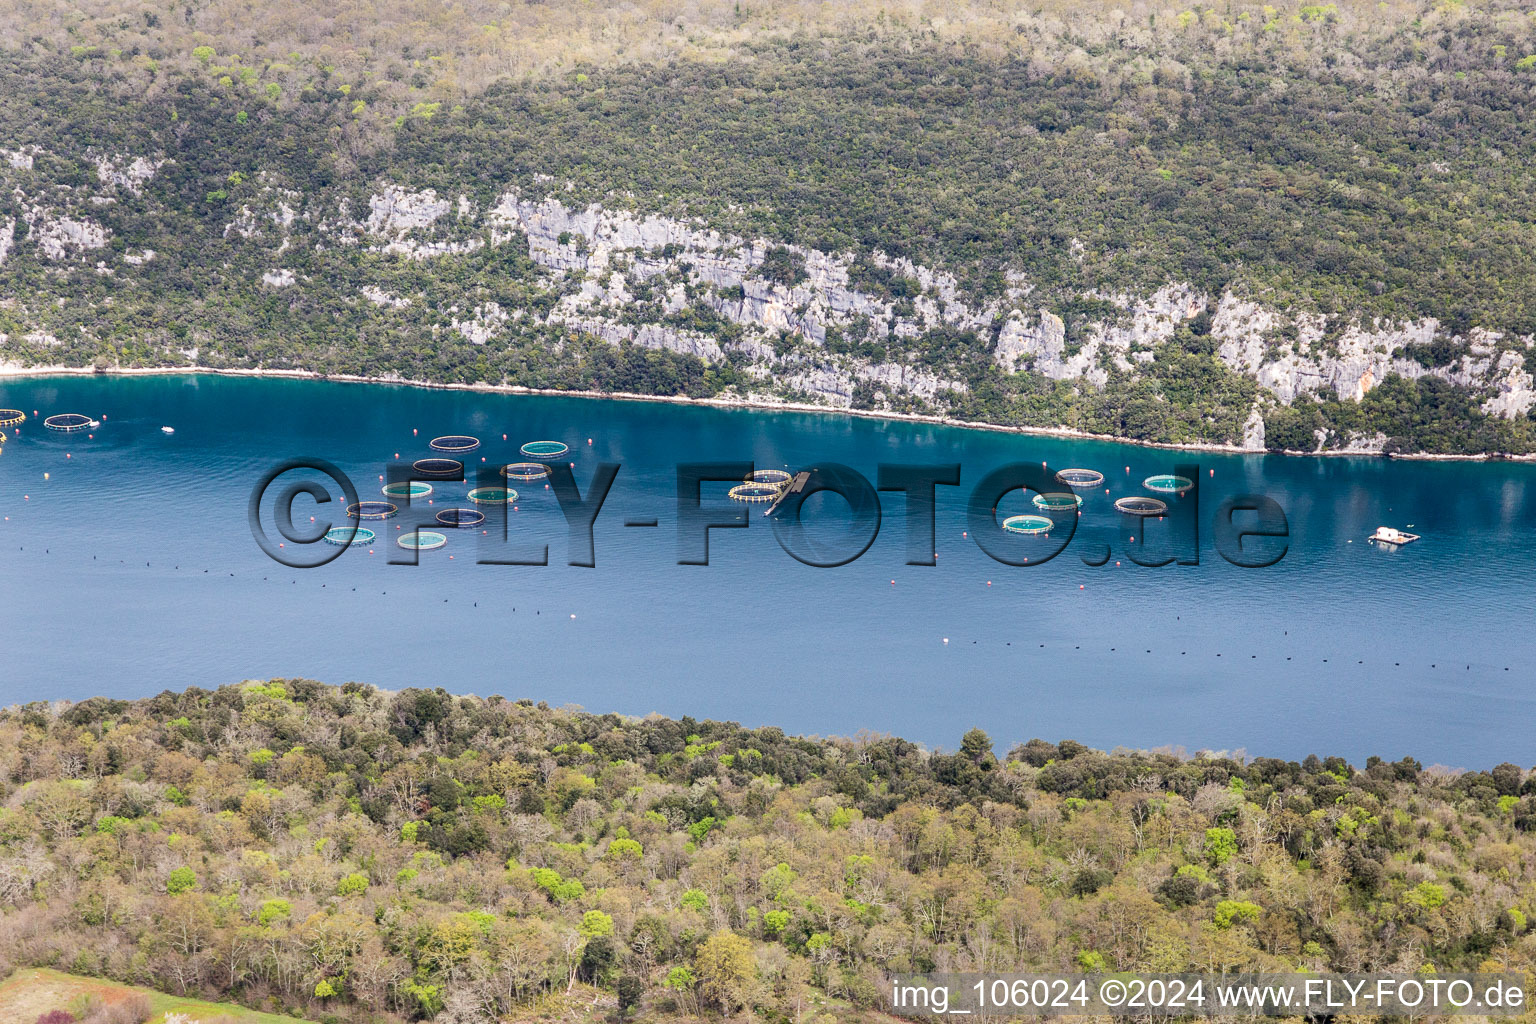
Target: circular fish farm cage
{"points": [[454, 444], [460, 517], [525, 471], [1138, 506], [372, 510], [754, 492], [67, 422], [1167, 483], [349, 536], [776, 477], [12, 417], [438, 467], [492, 496], [407, 489], [544, 449], [424, 540], [1080, 477], [1029, 525], [1057, 502]]}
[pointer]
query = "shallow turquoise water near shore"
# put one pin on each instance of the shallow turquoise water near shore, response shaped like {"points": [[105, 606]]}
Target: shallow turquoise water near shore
{"points": [[132, 569]]}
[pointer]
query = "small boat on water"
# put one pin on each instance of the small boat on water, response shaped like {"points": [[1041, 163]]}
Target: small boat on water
{"points": [[1392, 535], [167, 430]]}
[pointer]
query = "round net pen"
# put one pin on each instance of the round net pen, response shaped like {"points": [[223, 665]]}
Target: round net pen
{"points": [[438, 467], [776, 477], [1080, 477], [372, 510], [67, 422], [460, 517], [1028, 525], [12, 417], [407, 489], [544, 449], [1057, 502], [525, 471], [1167, 483], [424, 540], [1138, 506], [454, 444], [493, 496], [349, 536], [754, 492]]}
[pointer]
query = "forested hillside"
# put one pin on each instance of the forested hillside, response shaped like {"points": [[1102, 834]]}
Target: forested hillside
{"points": [[1294, 226], [352, 855]]}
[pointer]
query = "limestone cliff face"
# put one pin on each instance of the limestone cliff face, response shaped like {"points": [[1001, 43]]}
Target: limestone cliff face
{"points": [[633, 277]]}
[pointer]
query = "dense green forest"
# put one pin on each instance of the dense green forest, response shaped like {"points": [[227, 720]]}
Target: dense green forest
{"points": [[354, 855], [1349, 165]]}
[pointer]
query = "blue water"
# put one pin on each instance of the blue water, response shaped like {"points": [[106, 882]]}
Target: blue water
{"points": [[132, 569]]}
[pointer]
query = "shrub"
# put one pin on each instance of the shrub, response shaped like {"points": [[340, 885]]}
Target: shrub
{"points": [[354, 884], [1230, 912], [181, 880], [1220, 845]]}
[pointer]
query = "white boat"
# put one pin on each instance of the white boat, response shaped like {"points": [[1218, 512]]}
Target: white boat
{"points": [[167, 430], [1392, 535]]}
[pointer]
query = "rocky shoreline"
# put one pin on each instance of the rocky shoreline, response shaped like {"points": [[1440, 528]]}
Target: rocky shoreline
{"points": [[10, 371]]}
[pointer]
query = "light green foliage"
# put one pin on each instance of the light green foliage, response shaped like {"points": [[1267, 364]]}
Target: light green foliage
{"points": [[775, 921], [1425, 896], [180, 880], [560, 890], [777, 880], [703, 827], [596, 924], [625, 849], [695, 899], [354, 884], [1230, 912], [273, 910], [1220, 845]]}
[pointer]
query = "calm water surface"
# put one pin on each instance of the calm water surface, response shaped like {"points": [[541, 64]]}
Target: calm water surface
{"points": [[132, 569]]}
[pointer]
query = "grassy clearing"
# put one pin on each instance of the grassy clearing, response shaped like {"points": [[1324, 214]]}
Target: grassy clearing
{"points": [[28, 994]]}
